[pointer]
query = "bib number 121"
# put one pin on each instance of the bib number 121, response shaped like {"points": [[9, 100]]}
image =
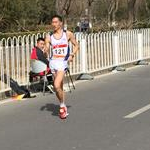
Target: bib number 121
{"points": [[59, 51]]}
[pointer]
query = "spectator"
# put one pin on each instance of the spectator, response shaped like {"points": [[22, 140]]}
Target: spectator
{"points": [[38, 53], [78, 28], [84, 25]]}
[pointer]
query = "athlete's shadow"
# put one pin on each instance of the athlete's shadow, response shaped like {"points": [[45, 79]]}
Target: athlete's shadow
{"points": [[52, 108]]}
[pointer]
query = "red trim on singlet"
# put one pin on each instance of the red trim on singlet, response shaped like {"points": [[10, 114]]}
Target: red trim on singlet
{"points": [[60, 46], [59, 56]]}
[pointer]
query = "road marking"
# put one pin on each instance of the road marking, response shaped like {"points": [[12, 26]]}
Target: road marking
{"points": [[138, 112]]}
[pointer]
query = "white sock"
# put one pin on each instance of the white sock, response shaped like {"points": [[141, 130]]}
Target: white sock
{"points": [[62, 104]]}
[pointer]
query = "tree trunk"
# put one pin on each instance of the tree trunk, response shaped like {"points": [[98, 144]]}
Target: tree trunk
{"points": [[137, 5], [90, 2], [115, 10], [147, 7], [131, 14]]}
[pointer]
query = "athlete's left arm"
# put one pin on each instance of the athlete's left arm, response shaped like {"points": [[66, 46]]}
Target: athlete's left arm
{"points": [[74, 42]]}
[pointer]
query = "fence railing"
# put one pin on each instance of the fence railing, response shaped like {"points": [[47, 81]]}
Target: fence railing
{"points": [[98, 51]]}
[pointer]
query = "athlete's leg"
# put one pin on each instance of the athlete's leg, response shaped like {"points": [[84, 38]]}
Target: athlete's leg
{"points": [[58, 85]]}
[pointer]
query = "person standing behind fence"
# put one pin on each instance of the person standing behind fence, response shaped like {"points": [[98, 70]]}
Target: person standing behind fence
{"points": [[59, 42]]}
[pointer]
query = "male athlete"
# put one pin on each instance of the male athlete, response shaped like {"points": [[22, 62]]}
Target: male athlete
{"points": [[60, 56]]}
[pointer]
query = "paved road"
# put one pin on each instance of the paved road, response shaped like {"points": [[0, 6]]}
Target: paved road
{"points": [[96, 122]]}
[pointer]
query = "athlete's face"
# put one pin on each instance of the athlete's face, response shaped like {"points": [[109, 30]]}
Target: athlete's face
{"points": [[57, 24], [40, 45]]}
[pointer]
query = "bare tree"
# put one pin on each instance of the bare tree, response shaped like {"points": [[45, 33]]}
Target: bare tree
{"points": [[112, 8], [63, 7], [90, 2], [131, 12], [78, 8], [147, 7], [138, 3]]}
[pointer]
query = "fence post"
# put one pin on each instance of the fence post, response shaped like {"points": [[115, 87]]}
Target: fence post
{"points": [[116, 54], [140, 46], [83, 51], [2, 66], [83, 56], [115, 42], [140, 50], [1, 61]]}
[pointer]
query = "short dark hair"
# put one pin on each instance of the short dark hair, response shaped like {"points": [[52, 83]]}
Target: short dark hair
{"points": [[40, 39], [59, 17]]}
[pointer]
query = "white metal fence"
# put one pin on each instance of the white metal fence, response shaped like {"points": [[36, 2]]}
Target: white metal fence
{"points": [[97, 52]]}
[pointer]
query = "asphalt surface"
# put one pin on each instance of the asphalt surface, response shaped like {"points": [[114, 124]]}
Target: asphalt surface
{"points": [[96, 122]]}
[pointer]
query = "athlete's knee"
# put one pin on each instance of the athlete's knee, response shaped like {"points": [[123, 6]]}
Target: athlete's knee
{"points": [[57, 87], [57, 83]]}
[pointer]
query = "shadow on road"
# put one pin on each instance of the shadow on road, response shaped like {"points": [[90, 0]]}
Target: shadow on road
{"points": [[52, 108]]}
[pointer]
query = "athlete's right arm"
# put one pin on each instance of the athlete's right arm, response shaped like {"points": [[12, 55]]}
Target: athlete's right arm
{"points": [[47, 43]]}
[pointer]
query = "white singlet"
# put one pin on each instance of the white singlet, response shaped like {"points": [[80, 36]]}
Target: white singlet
{"points": [[60, 53]]}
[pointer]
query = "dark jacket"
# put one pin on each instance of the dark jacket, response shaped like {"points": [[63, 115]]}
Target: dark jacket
{"points": [[39, 55]]}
